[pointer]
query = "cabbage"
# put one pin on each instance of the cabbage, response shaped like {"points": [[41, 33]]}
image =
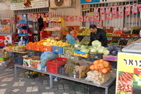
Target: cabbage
{"points": [[83, 46], [106, 52], [93, 50], [96, 43], [76, 45], [101, 50], [85, 50], [90, 47], [77, 48]]}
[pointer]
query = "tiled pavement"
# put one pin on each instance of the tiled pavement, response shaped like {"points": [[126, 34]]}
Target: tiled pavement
{"points": [[40, 85]]}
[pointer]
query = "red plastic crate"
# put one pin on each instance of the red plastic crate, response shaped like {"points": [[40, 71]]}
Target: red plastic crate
{"points": [[53, 64], [126, 35]]}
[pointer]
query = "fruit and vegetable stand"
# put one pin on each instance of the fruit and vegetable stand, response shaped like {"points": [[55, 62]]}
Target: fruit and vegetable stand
{"points": [[94, 72], [105, 85]]}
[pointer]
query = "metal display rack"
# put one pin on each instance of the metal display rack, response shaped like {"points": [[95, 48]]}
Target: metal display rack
{"points": [[105, 85]]}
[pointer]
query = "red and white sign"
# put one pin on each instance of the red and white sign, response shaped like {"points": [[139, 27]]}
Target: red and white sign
{"points": [[137, 71]]}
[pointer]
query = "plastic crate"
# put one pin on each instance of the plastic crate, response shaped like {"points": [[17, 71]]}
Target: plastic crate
{"points": [[37, 53], [126, 35], [33, 47], [56, 49], [18, 60], [28, 46], [61, 70], [135, 35], [53, 64], [38, 48], [96, 56], [110, 58], [30, 52], [46, 48], [108, 34], [81, 54], [31, 74]]}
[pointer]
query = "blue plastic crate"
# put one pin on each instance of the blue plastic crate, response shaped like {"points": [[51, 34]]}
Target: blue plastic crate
{"points": [[79, 52], [18, 60], [57, 49]]}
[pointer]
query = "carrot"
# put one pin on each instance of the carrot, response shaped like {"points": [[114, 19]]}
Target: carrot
{"points": [[126, 76], [125, 80], [119, 82], [131, 74], [120, 77]]}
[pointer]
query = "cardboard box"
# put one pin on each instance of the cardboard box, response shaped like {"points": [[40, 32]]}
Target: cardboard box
{"points": [[81, 69], [27, 62], [31, 61]]}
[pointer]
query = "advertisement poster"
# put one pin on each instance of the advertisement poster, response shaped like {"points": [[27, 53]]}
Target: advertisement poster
{"points": [[28, 4], [5, 40], [88, 1], [5, 26], [128, 74]]}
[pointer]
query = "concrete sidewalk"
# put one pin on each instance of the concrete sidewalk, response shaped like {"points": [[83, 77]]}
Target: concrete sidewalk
{"points": [[40, 85]]}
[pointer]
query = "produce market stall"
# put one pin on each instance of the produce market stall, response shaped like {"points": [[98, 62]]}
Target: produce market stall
{"points": [[129, 69], [96, 72]]}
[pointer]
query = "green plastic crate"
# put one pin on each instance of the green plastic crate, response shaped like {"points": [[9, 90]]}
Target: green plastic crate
{"points": [[108, 34], [113, 43]]}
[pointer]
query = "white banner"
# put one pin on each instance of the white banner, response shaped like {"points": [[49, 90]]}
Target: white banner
{"points": [[28, 4]]}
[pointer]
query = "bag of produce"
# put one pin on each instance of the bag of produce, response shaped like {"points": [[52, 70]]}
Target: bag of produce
{"points": [[97, 77], [100, 72], [47, 56]]}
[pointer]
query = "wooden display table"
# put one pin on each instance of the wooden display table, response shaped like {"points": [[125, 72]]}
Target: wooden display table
{"points": [[17, 52], [105, 85]]}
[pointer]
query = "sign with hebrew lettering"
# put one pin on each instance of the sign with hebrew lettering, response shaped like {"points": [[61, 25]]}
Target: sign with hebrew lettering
{"points": [[102, 1], [128, 74]]}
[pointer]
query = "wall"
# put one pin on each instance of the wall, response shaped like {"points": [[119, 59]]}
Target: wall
{"points": [[5, 5], [72, 12]]}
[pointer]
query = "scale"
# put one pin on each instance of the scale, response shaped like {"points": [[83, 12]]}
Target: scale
{"points": [[134, 47]]}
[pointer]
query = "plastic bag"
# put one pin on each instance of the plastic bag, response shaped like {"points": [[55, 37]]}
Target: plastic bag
{"points": [[97, 77], [47, 56]]}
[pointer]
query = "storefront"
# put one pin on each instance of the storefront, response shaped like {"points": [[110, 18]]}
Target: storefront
{"points": [[43, 32]]}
